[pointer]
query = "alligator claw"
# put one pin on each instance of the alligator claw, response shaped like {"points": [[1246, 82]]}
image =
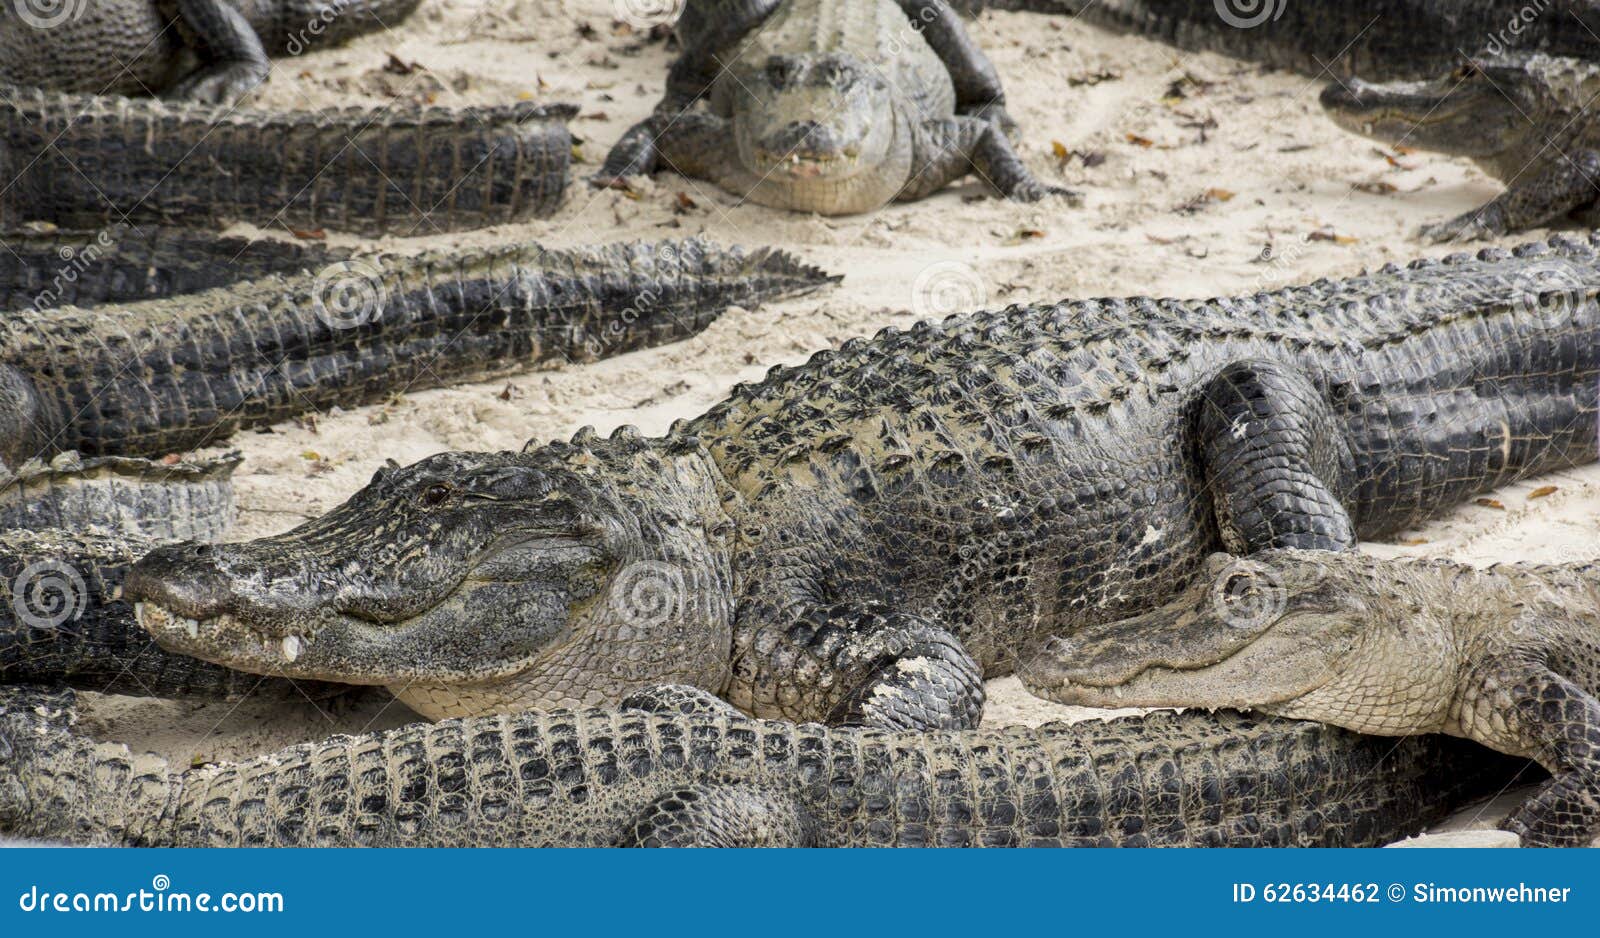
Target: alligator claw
{"points": [[1479, 225], [224, 85]]}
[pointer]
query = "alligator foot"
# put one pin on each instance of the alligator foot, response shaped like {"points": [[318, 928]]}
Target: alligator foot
{"points": [[1480, 224], [222, 85], [1559, 723], [735, 816]]}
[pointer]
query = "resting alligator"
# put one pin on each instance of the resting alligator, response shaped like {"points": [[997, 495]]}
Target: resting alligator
{"points": [[865, 537], [181, 370], [210, 51], [828, 106], [85, 162], [1376, 39], [711, 777], [1525, 120], [1508, 656]]}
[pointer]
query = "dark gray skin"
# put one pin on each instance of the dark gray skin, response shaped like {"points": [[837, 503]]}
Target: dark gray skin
{"points": [[1378, 40], [1508, 656], [84, 161], [1526, 120], [205, 51], [673, 768], [864, 538], [828, 106]]}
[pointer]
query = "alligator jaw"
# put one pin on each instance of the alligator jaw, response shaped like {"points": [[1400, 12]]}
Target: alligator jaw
{"points": [[226, 638]]}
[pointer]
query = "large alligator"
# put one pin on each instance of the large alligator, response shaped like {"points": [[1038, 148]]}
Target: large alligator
{"points": [[1508, 656], [865, 537], [1524, 119], [1379, 40], [153, 369], [210, 51], [86, 162], [828, 106], [711, 777]]}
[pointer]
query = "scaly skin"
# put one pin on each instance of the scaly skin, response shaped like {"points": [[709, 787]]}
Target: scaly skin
{"points": [[62, 621], [43, 269], [82, 162], [713, 778], [185, 501], [1378, 40], [171, 375], [828, 106], [1526, 120], [1508, 656], [863, 538], [212, 51]]}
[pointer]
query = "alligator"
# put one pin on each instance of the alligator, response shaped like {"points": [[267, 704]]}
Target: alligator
{"points": [[44, 267], [671, 769], [183, 500], [1508, 656], [84, 162], [864, 538], [173, 374], [63, 621], [1523, 119], [208, 51], [828, 106], [1380, 40]]}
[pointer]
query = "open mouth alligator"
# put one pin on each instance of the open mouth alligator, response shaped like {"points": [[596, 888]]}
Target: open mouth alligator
{"points": [[685, 772], [1524, 119], [864, 538], [828, 106], [1508, 656]]}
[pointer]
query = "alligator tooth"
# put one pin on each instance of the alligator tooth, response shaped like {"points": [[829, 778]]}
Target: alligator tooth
{"points": [[192, 626], [291, 647]]}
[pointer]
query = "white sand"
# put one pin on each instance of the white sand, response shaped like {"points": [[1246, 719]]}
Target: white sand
{"points": [[1147, 228]]}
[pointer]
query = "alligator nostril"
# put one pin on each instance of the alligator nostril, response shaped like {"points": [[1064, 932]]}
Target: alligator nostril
{"points": [[181, 578], [201, 551]]}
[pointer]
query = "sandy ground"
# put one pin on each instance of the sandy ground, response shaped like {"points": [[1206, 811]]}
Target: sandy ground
{"points": [[1201, 175]]}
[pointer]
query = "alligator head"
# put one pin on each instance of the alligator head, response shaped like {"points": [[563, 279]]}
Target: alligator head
{"points": [[567, 575], [803, 119], [1247, 633], [1482, 109]]}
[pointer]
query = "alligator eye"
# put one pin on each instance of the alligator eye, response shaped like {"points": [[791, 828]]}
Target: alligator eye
{"points": [[435, 494]]}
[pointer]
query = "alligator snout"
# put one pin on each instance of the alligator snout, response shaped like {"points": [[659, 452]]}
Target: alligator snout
{"points": [[182, 578], [803, 139]]}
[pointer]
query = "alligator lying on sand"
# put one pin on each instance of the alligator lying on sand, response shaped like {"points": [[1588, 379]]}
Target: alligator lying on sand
{"points": [[828, 106], [711, 777], [1508, 656], [1379, 40], [84, 162], [182, 370], [211, 51], [867, 536], [1525, 120]]}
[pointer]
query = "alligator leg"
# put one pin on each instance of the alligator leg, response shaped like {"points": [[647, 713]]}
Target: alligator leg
{"points": [[703, 30], [977, 83], [1571, 185], [724, 816], [946, 150], [860, 665], [238, 61], [1274, 461], [1524, 706], [700, 146]]}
